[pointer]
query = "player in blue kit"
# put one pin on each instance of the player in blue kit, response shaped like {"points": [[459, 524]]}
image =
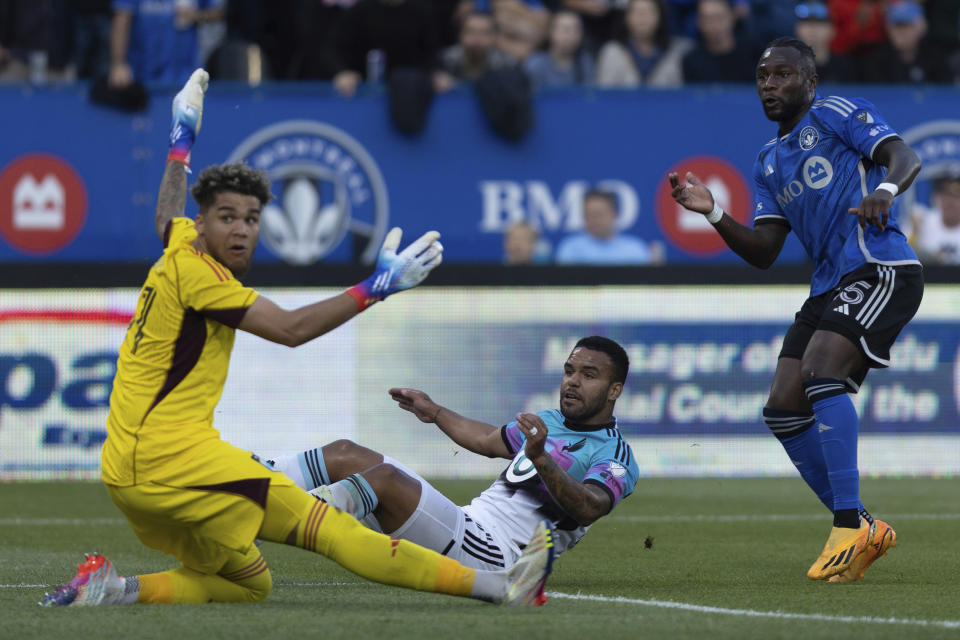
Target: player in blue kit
{"points": [[831, 176], [571, 466]]}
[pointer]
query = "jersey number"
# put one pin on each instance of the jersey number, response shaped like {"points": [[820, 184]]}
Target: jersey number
{"points": [[149, 294]]}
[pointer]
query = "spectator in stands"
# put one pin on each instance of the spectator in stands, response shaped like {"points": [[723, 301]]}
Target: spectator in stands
{"points": [[943, 16], [476, 52], [273, 27], [91, 37], [566, 62], [34, 40], [601, 243], [156, 42], [599, 19], [684, 15], [521, 25], [397, 33], [859, 26], [522, 245], [644, 53], [936, 236], [909, 57], [769, 20], [720, 56], [814, 27]]}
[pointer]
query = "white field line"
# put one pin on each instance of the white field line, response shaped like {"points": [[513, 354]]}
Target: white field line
{"points": [[771, 517], [660, 604], [750, 613]]}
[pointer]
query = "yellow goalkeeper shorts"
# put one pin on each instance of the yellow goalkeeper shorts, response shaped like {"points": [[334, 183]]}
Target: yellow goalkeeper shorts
{"points": [[213, 507]]}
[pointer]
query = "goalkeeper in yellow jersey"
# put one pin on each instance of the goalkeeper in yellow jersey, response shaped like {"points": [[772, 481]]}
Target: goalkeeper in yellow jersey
{"points": [[187, 492]]}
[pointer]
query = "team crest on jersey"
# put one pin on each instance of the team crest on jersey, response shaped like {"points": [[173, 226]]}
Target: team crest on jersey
{"points": [[809, 137], [865, 117], [331, 196], [817, 172]]}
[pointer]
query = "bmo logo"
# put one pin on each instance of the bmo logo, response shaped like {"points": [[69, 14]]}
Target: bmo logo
{"points": [[43, 203]]}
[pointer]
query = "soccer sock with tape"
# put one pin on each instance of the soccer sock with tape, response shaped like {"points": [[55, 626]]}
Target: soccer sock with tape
{"points": [[306, 468], [838, 426], [354, 495], [802, 444]]}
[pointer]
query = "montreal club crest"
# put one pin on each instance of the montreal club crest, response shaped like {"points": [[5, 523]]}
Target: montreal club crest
{"points": [[809, 137], [331, 197]]}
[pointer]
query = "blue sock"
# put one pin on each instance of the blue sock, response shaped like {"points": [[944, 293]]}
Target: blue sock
{"points": [[838, 435], [793, 430], [312, 467]]}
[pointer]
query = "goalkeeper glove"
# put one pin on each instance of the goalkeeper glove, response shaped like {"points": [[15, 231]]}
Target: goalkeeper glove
{"points": [[187, 114], [398, 271]]}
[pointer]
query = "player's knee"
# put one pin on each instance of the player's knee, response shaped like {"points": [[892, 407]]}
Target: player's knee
{"points": [[345, 457], [259, 586], [342, 448]]}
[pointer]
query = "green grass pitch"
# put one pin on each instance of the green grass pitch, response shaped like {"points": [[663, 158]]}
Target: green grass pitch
{"points": [[727, 559]]}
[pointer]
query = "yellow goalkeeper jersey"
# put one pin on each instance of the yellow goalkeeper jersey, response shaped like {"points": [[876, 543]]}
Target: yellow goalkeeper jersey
{"points": [[173, 362]]}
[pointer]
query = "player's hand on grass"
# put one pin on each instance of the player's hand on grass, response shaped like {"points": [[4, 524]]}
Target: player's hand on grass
{"points": [[416, 402], [187, 116], [874, 209], [535, 430], [693, 195]]}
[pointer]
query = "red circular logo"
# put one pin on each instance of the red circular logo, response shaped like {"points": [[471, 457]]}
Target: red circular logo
{"points": [[43, 203], [689, 230]]}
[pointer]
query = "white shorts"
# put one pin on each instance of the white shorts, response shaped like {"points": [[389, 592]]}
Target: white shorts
{"points": [[442, 526]]}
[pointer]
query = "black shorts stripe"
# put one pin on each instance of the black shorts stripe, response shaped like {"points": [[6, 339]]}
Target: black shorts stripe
{"points": [[479, 557], [481, 553], [482, 545], [871, 311]]}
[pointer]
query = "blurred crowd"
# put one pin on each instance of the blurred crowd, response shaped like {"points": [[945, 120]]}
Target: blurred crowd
{"points": [[506, 49], [605, 43]]}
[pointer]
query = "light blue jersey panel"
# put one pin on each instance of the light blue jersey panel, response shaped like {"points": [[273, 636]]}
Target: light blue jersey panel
{"points": [[810, 178], [517, 501], [601, 457]]}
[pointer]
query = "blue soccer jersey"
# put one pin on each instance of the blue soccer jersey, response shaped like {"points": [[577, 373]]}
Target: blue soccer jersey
{"points": [[810, 178], [518, 500]]}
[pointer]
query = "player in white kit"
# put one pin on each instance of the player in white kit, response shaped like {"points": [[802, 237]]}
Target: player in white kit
{"points": [[571, 466]]}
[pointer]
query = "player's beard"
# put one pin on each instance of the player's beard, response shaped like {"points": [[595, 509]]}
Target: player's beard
{"points": [[586, 410]]}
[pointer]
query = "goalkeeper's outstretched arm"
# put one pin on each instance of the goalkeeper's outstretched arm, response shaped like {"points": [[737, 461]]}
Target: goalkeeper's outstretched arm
{"points": [[395, 272]]}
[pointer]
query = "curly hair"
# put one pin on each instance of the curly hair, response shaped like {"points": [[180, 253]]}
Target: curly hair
{"points": [[236, 177]]}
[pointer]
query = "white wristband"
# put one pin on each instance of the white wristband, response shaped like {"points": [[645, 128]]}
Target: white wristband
{"points": [[714, 216], [889, 186]]}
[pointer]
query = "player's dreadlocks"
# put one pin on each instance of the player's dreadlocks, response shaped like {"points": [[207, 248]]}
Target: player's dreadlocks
{"points": [[236, 177], [806, 53]]}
